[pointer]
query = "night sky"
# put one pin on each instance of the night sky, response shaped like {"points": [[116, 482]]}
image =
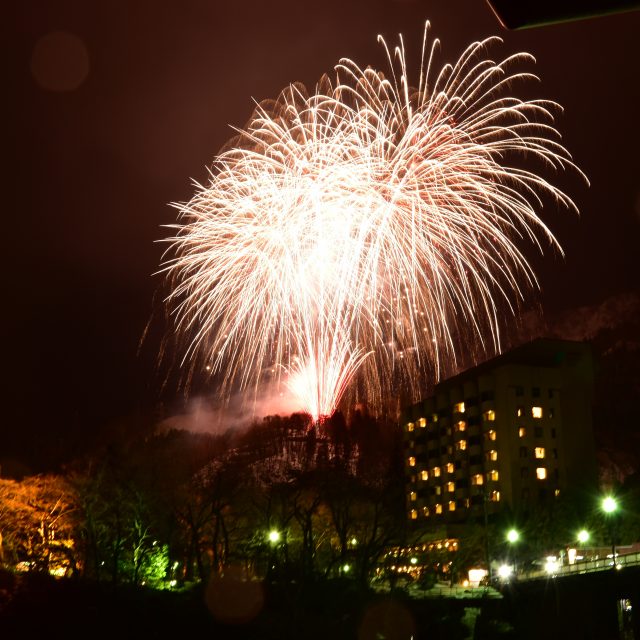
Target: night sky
{"points": [[149, 91]]}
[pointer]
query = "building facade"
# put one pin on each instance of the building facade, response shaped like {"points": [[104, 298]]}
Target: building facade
{"points": [[513, 431]]}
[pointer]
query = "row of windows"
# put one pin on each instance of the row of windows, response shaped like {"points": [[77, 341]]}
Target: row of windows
{"points": [[452, 505], [488, 416], [490, 435], [490, 456], [477, 479]]}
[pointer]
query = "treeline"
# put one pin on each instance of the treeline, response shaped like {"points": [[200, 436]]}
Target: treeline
{"points": [[284, 499]]}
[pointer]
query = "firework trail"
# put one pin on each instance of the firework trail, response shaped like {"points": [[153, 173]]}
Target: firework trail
{"points": [[354, 230]]}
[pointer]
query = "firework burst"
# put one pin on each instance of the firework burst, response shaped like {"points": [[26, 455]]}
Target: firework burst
{"points": [[354, 230]]}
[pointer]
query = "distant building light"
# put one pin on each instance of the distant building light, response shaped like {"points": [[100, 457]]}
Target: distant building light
{"points": [[541, 473], [476, 576], [452, 505], [438, 508], [436, 472], [522, 432], [505, 571], [450, 468], [551, 565], [477, 479], [414, 514], [413, 496], [539, 452], [424, 475], [410, 426], [536, 412], [422, 423], [458, 407], [493, 475], [412, 461], [489, 416]]}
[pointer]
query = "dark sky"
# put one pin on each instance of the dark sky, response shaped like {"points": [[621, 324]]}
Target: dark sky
{"points": [[92, 168]]}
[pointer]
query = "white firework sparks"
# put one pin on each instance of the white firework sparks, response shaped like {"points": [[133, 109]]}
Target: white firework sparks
{"points": [[366, 214]]}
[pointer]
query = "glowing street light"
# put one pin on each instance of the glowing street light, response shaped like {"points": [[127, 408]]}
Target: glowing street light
{"points": [[513, 536], [414, 560], [609, 504], [274, 536], [583, 536]]}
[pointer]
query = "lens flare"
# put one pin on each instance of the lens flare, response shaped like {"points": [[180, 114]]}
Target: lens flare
{"points": [[358, 230]]}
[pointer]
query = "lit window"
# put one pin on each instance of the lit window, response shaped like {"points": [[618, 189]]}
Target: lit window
{"points": [[495, 496], [425, 512], [422, 423], [413, 496], [540, 452], [556, 493], [491, 434], [434, 417], [522, 432], [436, 472], [414, 514], [458, 407], [461, 426], [451, 487], [452, 505], [461, 445], [541, 473], [412, 461], [519, 412], [424, 475], [490, 415], [449, 467], [477, 479], [467, 502], [438, 508], [492, 455], [410, 426], [536, 412], [493, 475]]}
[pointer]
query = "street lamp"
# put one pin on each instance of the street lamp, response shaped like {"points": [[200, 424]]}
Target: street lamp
{"points": [[274, 536], [583, 536], [610, 506]]}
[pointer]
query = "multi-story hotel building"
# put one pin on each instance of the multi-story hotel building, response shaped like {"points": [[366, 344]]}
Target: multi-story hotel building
{"points": [[512, 431]]}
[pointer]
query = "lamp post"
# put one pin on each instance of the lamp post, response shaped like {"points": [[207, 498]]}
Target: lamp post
{"points": [[512, 537], [610, 506]]}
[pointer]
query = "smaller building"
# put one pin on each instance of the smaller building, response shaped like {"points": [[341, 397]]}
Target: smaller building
{"points": [[512, 431]]}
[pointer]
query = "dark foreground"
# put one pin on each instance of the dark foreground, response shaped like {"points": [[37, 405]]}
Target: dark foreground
{"points": [[38, 606]]}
